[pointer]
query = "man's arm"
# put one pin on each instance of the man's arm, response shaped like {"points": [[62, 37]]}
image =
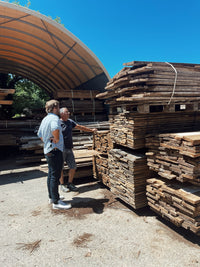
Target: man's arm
{"points": [[85, 129], [55, 138]]}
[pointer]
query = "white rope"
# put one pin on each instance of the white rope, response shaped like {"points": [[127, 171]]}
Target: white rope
{"points": [[174, 81]]}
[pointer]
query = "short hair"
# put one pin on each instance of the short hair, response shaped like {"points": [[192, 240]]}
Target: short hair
{"points": [[50, 105], [62, 109]]}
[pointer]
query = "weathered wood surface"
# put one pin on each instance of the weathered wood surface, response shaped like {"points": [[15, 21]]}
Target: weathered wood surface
{"points": [[129, 129], [177, 203], [128, 172], [84, 164], [154, 82], [78, 94], [175, 156], [102, 142], [87, 106], [100, 169], [3, 96], [23, 135]]}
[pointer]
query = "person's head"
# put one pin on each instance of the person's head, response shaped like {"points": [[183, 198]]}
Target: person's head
{"points": [[64, 114], [52, 106]]}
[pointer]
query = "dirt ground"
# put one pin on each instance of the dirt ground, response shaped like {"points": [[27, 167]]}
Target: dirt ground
{"points": [[99, 230]]}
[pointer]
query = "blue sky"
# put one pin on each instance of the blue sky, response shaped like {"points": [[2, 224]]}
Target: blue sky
{"points": [[123, 31]]}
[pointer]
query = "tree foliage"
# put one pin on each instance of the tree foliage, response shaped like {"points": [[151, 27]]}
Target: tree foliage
{"points": [[28, 96]]}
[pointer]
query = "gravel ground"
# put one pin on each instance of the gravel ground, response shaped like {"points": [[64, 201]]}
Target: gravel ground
{"points": [[99, 230]]}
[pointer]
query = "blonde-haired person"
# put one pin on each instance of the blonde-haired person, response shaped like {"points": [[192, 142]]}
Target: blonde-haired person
{"points": [[50, 132], [67, 125]]}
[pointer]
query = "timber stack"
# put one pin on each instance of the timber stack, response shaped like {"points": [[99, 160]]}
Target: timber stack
{"points": [[148, 103], [83, 105], [176, 202], [6, 96], [102, 144], [175, 156], [128, 172]]}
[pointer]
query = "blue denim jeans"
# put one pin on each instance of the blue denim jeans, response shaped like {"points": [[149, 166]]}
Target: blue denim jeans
{"points": [[55, 164]]}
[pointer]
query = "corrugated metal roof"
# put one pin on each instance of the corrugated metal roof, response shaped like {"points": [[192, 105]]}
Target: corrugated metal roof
{"points": [[43, 51]]}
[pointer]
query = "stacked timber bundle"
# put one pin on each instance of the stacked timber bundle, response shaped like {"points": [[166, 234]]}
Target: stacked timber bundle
{"points": [[100, 169], [147, 97], [22, 134], [5, 95], [31, 150], [128, 172], [102, 144], [130, 129], [83, 105], [83, 158], [175, 156], [176, 203], [154, 83]]}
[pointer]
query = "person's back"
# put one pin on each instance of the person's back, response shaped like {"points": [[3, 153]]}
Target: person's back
{"points": [[50, 132]]}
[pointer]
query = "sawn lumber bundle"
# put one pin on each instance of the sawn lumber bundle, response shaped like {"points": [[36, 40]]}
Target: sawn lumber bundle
{"points": [[175, 156], [128, 172], [176, 203]]}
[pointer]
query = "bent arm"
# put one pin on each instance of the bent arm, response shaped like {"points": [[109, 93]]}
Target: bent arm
{"points": [[55, 138]]}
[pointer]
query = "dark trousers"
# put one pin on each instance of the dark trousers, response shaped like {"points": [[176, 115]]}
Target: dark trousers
{"points": [[55, 164]]}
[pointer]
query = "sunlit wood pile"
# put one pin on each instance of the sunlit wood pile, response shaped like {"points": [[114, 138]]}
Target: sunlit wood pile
{"points": [[176, 202], [128, 172], [175, 156], [150, 105], [102, 144]]}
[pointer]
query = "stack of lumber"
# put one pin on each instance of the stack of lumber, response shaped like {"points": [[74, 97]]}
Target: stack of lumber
{"points": [[83, 160], [31, 150], [128, 172], [175, 156], [100, 169], [175, 202], [152, 99], [102, 142], [129, 129], [147, 97], [4, 93], [83, 105], [154, 83], [8, 139], [83, 140], [22, 133]]}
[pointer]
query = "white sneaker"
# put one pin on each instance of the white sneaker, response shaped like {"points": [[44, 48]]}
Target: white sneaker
{"points": [[64, 188], [61, 205], [51, 201]]}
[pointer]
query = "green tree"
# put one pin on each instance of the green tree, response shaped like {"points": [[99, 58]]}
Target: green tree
{"points": [[28, 96]]}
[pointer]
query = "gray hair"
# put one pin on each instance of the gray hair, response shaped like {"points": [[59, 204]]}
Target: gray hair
{"points": [[62, 110]]}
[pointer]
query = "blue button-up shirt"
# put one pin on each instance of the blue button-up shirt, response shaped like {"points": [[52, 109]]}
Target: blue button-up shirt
{"points": [[49, 124]]}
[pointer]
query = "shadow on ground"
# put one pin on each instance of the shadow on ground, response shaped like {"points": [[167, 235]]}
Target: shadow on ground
{"points": [[21, 177]]}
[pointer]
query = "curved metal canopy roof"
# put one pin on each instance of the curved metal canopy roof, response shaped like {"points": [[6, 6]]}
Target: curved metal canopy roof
{"points": [[43, 51]]}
